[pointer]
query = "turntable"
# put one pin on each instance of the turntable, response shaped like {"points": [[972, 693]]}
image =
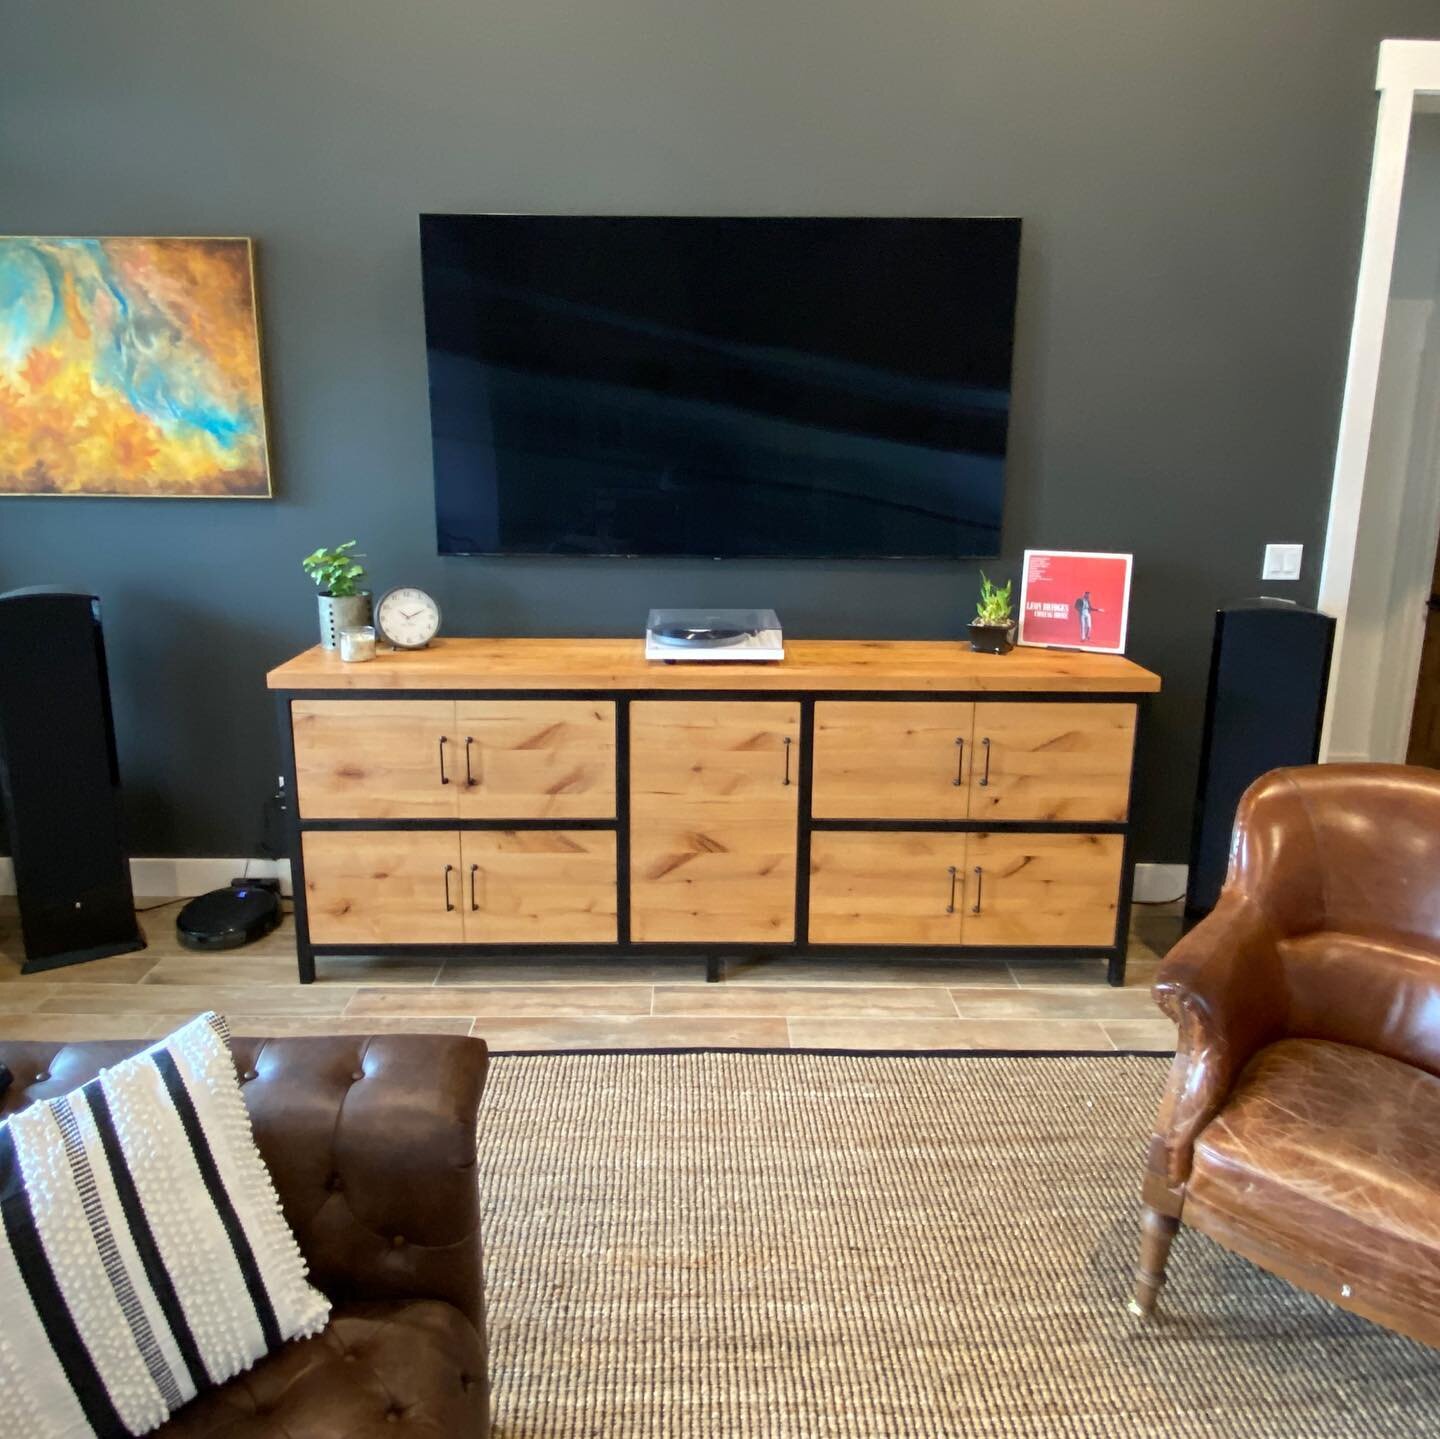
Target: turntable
{"points": [[746, 635]]}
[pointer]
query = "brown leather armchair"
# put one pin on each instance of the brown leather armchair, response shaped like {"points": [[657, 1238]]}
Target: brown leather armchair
{"points": [[1301, 1124], [371, 1144]]}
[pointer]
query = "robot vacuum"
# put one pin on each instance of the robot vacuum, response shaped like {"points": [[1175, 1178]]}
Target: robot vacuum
{"points": [[228, 918]]}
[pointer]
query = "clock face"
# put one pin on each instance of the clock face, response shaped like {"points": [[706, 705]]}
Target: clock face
{"points": [[408, 618]]}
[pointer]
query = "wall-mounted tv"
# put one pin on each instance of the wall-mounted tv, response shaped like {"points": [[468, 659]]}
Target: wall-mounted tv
{"points": [[755, 387]]}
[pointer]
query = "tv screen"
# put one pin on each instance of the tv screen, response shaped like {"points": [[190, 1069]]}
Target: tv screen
{"points": [[719, 387]]}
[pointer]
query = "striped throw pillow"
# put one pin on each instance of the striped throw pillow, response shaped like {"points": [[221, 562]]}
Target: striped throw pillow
{"points": [[143, 1254]]}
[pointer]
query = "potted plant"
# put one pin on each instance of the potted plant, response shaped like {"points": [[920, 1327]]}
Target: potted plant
{"points": [[992, 631], [339, 575]]}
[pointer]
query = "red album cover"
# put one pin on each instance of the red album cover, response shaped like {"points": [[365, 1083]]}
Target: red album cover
{"points": [[1076, 599]]}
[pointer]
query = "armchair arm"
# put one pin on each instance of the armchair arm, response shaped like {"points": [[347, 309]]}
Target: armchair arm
{"points": [[371, 1143], [1223, 984]]}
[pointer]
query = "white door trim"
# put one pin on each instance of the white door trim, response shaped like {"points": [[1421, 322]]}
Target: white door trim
{"points": [[1407, 69]]}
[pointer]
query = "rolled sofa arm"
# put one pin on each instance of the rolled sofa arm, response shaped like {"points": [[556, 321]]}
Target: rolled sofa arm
{"points": [[1223, 985], [371, 1143]]}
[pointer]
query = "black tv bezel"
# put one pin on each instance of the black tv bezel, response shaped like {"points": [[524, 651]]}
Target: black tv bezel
{"points": [[810, 556]]}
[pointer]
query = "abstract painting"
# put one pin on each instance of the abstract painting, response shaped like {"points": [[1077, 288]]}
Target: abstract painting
{"points": [[130, 367]]}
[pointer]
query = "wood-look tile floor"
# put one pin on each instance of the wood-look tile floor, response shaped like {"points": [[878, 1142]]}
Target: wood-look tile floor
{"points": [[557, 1003]]}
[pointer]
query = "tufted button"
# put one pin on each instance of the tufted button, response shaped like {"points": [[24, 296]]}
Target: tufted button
{"points": [[392, 1415], [248, 1076], [398, 1242], [357, 1076], [466, 1383], [348, 1356], [41, 1078], [334, 1183]]}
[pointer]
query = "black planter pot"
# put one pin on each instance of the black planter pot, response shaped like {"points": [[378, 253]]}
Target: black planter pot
{"points": [[992, 639]]}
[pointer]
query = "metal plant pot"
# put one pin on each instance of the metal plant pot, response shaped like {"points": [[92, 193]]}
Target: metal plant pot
{"points": [[992, 639], [340, 612]]}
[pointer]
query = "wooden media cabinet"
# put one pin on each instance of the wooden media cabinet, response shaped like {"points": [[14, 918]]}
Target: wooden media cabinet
{"points": [[860, 796]]}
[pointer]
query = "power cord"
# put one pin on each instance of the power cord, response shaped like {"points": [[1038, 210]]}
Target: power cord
{"points": [[164, 904], [272, 821]]}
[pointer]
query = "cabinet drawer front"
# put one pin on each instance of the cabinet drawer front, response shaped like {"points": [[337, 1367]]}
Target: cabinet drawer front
{"points": [[383, 887], [539, 886], [892, 759], [887, 888], [374, 759], [1052, 761], [535, 759], [713, 820], [1042, 889]]}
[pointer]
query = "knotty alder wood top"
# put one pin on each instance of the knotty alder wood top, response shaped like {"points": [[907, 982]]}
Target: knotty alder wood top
{"points": [[609, 664]]}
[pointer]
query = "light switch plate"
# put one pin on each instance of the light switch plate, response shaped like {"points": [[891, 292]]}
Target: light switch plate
{"points": [[1282, 562]]}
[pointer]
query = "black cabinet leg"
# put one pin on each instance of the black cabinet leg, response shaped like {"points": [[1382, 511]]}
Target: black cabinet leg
{"points": [[305, 958], [1115, 973], [714, 969]]}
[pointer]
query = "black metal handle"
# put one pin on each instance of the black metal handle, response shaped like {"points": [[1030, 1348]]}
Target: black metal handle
{"points": [[985, 778], [950, 908], [448, 905], [444, 778], [787, 742], [959, 763], [979, 889], [470, 779], [474, 903]]}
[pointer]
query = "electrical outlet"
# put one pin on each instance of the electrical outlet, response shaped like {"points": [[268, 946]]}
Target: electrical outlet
{"points": [[1282, 562]]}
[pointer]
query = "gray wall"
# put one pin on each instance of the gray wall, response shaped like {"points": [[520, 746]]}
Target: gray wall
{"points": [[1192, 179]]}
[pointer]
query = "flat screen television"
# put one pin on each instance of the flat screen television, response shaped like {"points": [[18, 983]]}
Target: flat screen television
{"points": [[782, 388]]}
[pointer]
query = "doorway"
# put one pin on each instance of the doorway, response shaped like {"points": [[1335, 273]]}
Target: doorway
{"points": [[1424, 744]]}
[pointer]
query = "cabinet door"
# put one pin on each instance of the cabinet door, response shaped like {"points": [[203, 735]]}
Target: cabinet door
{"points": [[892, 759], [886, 888], [1042, 889], [535, 759], [539, 886], [712, 820], [1051, 761], [375, 759], [383, 886]]}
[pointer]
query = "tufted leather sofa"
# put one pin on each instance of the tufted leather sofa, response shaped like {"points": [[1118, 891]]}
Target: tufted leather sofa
{"points": [[371, 1143], [1301, 1124]]}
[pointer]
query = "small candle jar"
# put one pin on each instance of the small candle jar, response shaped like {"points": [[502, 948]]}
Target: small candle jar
{"points": [[357, 643]]}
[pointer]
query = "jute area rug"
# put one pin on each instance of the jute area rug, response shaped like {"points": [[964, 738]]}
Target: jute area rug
{"points": [[764, 1245]]}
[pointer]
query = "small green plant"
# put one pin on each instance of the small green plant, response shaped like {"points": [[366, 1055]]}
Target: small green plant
{"points": [[994, 606], [336, 572]]}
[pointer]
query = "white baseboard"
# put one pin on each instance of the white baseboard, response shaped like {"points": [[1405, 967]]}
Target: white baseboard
{"points": [[1155, 883], [172, 878], [169, 878]]}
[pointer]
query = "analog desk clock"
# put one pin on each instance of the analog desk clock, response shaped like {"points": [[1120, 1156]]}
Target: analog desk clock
{"points": [[407, 617]]}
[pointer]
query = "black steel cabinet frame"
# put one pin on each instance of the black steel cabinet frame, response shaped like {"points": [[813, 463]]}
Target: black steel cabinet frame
{"points": [[714, 955]]}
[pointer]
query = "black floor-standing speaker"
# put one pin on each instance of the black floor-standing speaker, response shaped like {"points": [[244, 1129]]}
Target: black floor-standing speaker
{"points": [[1269, 672], [60, 781]]}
